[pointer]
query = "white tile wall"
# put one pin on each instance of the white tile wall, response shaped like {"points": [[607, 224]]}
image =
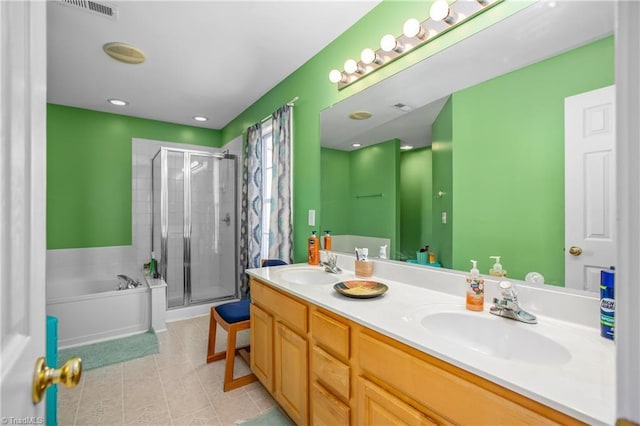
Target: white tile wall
{"points": [[66, 267]]}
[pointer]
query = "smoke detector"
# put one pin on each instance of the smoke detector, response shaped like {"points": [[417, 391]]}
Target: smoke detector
{"points": [[360, 115], [124, 52]]}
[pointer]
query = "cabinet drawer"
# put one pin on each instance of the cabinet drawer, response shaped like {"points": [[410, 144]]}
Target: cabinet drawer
{"points": [[331, 334], [462, 402], [287, 309], [332, 373], [326, 409]]}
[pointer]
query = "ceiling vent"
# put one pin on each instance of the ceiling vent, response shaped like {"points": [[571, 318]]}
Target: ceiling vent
{"points": [[402, 107], [97, 8]]}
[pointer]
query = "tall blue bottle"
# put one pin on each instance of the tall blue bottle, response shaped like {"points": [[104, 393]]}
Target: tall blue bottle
{"points": [[607, 304]]}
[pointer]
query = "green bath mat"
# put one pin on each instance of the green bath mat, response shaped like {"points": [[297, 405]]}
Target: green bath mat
{"points": [[113, 351], [273, 417]]}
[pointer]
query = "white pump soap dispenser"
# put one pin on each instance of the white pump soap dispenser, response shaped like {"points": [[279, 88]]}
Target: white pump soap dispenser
{"points": [[383, 252], [475, 289], [497, 270]]}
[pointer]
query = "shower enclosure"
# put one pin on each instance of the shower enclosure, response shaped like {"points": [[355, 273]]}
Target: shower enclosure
{"points": [[194, 225]]}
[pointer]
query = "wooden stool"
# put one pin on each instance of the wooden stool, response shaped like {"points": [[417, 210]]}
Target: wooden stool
{"points": [[233, 317]]}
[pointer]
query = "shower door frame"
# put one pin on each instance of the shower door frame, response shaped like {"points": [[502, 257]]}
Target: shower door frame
{"points": [[187, 225]]}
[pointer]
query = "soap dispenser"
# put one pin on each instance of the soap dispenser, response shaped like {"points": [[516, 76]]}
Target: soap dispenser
{"points": [[383, 252], [496, 270], [475, 289], [314, 251], [327, 240]]}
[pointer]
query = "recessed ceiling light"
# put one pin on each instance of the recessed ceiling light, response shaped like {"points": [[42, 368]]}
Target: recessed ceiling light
{"points": [[360, 115], [118, 102], [200, 118], [406, 147], [356, 145]]}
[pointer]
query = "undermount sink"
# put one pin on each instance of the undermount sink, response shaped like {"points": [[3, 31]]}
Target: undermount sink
{"points": [[308, 276], [496, 337]]}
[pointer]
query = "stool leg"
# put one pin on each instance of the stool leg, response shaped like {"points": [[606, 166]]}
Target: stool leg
{"points": [[231, 357], [211, 350]]}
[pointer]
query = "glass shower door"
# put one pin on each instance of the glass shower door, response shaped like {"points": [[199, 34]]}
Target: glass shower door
{"points": [[175, 222], [212, 228]]}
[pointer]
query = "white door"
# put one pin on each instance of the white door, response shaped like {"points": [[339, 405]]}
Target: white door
{"points": [[22, 198], [590, 187]]}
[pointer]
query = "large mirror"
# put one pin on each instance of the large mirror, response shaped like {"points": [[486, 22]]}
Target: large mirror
{"points": [[486, 174]]}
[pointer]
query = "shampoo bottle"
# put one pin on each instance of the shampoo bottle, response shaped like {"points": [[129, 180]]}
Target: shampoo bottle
{"points": [[314, 251], [153, 265], [496, 270], [327, 240], [475, 289]]}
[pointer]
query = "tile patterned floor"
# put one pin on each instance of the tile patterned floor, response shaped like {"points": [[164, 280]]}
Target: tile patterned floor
{"points": [[174, 387]]}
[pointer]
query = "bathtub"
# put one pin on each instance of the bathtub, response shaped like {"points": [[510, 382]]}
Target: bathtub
{"points": [[93, 310]]}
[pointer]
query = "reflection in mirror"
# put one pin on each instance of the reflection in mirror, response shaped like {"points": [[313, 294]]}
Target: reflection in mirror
{"points": [[486, 176]]}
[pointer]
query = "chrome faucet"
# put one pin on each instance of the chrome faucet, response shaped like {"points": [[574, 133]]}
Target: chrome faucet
{"points": [[508, 306], [331, 264], [127, 282]]}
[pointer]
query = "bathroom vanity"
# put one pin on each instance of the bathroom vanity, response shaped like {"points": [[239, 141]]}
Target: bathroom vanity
{"points": [[415, 356]]}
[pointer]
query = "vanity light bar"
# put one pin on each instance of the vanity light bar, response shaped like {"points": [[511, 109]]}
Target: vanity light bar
{"points": [[445, 15]]}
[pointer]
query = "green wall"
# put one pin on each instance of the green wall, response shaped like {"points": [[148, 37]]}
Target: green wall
{"points": [[416, 199], [89, 172], [335, 183], [349, 178], [376, 170], [508, 160], [311, 85], [442, 158]]}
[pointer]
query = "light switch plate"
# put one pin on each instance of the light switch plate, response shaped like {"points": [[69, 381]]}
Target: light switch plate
{"points": [[312, 218], [444, 218]]}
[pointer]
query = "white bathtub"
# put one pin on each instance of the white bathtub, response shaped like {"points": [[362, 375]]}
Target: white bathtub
{"points": [[93, 310]]}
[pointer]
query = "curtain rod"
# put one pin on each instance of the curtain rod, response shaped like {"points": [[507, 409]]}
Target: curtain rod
{"points": [[268, 117], [290, 103]]}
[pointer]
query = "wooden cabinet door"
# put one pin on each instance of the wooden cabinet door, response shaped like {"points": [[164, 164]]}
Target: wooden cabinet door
{"points": [[326, 409], [378, 407], [262, 346], [291, 373]]}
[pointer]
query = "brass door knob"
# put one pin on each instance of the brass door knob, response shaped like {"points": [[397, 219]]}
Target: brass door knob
{"points": [[69, 375], [575, 251]]}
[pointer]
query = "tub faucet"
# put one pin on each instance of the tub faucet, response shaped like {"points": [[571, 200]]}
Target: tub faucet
{"points": [[508, 306], [127, 282], [331, 264]]}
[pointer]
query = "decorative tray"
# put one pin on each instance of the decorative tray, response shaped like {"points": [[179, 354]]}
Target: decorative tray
{"points": [[360, 289]]}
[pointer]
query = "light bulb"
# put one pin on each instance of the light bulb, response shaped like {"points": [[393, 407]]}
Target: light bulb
{"points": [[440, 11], [336, 76], [412, 28], [200, 118], [351, 66], [389, 43], [368, 56]]}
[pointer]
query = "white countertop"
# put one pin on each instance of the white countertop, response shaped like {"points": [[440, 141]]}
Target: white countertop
{"points": [[582, 385]]}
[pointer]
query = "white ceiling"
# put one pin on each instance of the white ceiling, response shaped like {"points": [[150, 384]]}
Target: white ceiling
{"points": [[540, 31], [211, 58]]}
